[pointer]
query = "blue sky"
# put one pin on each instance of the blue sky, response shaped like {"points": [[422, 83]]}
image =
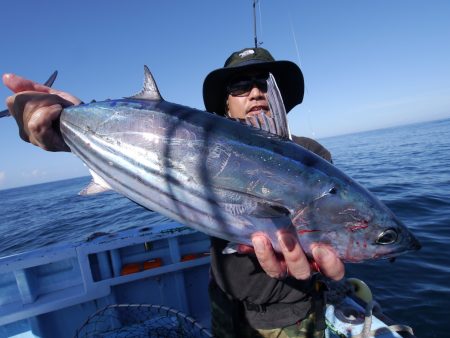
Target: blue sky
{"points": [[367, 64]]}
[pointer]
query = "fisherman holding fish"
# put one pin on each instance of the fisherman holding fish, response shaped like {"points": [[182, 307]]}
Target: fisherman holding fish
{"points": [[246, 302], [255, 292]]}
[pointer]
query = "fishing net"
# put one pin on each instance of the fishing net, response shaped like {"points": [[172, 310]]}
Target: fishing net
{"points": [[140, 320]]}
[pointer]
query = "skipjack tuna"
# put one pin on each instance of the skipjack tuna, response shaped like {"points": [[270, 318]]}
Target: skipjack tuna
{"points": [[228, 179]]}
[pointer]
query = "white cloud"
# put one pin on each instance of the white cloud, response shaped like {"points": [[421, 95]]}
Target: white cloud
{"points": [[35, 173], [2, 176]]}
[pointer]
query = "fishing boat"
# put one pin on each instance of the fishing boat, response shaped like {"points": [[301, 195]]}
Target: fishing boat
{"points": [[143, 282]]}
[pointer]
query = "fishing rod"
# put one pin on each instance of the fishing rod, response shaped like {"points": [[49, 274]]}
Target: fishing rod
{"points": [[254, 25], [47, 83]]}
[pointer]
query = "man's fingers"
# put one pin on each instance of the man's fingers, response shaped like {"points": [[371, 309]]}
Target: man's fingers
{"points": [[42, 129], [19, 84], [330, 265], [28, 101], [10, 104], [245, 249], [66, 96], [295, 258], [267, 257], [293, 261], [36, 115]]}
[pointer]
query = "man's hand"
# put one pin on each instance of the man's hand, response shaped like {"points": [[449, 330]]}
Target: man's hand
{"points": [[36, 109], [293, 261]]}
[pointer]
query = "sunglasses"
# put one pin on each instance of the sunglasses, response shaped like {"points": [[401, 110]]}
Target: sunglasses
{"points": [[242, 86]]}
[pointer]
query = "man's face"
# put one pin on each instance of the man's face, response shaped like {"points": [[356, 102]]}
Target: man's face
{"points": [[247, 95]]}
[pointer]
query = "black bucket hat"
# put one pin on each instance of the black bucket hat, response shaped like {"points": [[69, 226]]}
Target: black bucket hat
{"points": [[288, 75]]}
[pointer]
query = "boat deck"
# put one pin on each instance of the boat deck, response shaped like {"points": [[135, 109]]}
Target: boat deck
{"points": [[50, 292]]}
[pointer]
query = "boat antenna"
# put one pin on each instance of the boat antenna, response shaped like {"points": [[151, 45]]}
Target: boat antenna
{"points": [[254, 24]]}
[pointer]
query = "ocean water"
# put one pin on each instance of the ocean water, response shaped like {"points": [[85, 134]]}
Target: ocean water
{"points": [[407, 167]]}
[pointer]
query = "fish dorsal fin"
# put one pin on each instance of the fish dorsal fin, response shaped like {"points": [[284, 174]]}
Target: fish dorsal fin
{"points": [[276, 105], [149, 90], [96, 186]]}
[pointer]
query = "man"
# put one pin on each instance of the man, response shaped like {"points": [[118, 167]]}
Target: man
{"points": [[271, 303], [263, 296]]}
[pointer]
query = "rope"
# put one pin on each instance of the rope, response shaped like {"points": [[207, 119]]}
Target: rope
{"points": [[384, 330]]}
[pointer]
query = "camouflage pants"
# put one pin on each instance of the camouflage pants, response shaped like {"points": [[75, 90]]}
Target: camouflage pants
{"points": [[228, 321], [303, 329]]}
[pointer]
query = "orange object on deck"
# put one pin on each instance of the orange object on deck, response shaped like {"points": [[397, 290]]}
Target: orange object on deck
{"points": [[152, 263], [189, 257], [141, 266], [130, 268]]}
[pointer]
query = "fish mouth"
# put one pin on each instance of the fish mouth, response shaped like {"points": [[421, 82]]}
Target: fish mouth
{"points": [[415, 244], [411, 243]]}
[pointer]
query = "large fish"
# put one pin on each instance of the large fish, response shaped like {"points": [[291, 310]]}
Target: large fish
{"points": [[227, 179]]}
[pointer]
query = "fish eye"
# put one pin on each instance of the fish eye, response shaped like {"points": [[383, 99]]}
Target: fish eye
{"points": [[388, 236], [332, 191]]}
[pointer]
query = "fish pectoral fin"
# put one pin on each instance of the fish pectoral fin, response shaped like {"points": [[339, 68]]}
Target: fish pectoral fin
{"points": [[255, 209], [266, 210], [96, 186], [236, 209]]}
